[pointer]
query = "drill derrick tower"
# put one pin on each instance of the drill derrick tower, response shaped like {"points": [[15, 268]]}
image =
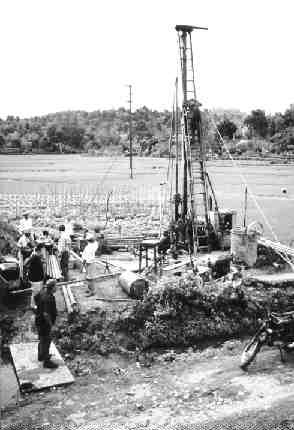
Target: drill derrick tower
{"points": [[195, 202]]}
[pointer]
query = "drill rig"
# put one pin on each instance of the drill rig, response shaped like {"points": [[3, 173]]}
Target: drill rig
{"points": [[197, 221]]}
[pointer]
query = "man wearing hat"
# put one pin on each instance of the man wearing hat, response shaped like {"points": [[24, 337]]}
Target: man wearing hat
{"points": [[88, 257], [26, 223], [25, 249], [46, 314]]}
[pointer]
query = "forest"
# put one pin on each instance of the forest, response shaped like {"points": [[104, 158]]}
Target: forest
{"points": [[106, 132]]}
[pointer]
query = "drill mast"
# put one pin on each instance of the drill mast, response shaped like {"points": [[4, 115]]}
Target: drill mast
{"points": [[195, 201]]}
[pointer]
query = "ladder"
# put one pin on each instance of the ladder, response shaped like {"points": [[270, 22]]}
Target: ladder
{"points": [[198, 204]]}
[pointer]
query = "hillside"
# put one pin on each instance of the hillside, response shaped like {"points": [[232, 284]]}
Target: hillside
{"points": [[107, 132]]}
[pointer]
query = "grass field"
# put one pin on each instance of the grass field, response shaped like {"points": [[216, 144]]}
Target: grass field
{"points": [[85, 180]]}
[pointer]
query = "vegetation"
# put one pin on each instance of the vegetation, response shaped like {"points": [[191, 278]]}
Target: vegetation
{"points": [[175, 313], [107, 132]]}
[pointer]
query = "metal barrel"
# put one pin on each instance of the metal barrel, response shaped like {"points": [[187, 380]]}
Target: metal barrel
{"points": [[134, 285]]}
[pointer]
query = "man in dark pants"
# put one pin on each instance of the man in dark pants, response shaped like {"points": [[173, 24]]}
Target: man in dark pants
{"points": [[64, 250], [45, 318]]}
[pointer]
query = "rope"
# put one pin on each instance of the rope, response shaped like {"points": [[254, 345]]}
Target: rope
{"points": [[101, 182], [251, 194], [170, 169]]}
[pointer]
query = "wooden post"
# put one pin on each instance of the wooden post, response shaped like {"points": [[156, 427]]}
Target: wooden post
{"points": [[245, 207], [140, 258], [130, 132], [155, 259]]}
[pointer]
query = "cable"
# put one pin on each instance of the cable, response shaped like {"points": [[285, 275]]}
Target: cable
{"points": [[251, 194], [101, 182]]}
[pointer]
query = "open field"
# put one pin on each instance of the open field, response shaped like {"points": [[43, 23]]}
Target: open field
{"points": [[79, 182]]}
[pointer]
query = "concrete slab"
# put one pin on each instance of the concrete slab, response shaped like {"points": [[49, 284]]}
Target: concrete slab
{"points": [[9, 390], [30, 372]]}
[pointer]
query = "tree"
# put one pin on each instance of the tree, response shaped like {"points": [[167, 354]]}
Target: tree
{"points": [[288, 117], [227, 128], [275, 124], [257, 123]]}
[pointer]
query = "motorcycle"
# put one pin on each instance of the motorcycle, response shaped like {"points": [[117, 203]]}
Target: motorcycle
{"points": [[277, 329]]}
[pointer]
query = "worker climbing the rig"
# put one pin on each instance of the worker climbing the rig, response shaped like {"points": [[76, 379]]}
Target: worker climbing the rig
{"points": [[194, 118]]}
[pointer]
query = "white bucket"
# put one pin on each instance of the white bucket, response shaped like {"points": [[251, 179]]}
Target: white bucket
{"points": [[244, 246]]}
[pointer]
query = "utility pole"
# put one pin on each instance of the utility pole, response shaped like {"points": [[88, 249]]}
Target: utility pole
{"points": [[177, 151], [130, 131]]}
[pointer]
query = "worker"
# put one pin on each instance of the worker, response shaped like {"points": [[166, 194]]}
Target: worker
{"points": [[210, 269], [64, 244], [43, 239], [46, 313], [25, 249], [197, 278], [36, 273], [69, 226], [180, 227], [88, 257], [194, 118], [26, 223], [99, 238], [164, 244], [53, 270], [189, 236]]}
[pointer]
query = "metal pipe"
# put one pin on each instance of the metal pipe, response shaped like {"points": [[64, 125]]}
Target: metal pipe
{"points": [[66, 299], [73, 302]]}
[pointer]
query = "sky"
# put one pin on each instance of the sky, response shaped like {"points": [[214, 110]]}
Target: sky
{"points": [[81, 54]]}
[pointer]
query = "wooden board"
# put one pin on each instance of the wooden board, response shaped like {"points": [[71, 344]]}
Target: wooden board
{"points": [[130, 266], [274, 279], [30, 372]]}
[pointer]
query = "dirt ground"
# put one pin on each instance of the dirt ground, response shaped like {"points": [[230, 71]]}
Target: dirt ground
{"points": [[176, 389]]}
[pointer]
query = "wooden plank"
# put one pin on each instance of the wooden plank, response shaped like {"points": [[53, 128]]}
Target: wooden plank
{"points": [[131, 266], [277, 246], [274, 279], [30, 372], [176, 266]]}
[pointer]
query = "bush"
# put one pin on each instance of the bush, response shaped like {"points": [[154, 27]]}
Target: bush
{"points": [[8, 238], [178, 312]]}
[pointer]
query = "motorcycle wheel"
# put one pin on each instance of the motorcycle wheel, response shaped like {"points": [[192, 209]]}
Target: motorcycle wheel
{"points": [[249, 353]]}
